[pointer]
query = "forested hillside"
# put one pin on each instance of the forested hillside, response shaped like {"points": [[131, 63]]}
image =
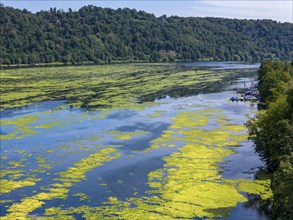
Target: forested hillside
{"points": [[97, 35], [272, 131]]}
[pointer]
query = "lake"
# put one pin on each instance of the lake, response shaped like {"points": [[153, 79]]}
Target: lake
{"points": [[174, 157]]}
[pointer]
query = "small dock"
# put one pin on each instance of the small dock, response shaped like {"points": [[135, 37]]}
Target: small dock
{"points": [[247, 94]]}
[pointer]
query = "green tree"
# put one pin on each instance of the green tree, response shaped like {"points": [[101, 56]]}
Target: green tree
{"points": [[272, 132]]}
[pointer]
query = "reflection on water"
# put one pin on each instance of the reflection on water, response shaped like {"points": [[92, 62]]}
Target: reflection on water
{"points": [[223, 65], [53, 155]]}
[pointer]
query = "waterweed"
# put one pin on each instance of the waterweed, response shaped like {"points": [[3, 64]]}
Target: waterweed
{"points": [[189, 184]]}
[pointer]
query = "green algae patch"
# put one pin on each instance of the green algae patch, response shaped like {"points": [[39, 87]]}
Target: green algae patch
{"points": [[13, 174], [43, 164], [41, 159], [58, 213], [189, 120], [80, 168], [236, 128], [187, 127], [60, 190], [21, 126], [6, 201], [126, 135], [154, 115], [18, 163], [167, 139], [102, 86], [257, 187], [47, 125], [190, 184], [10, 185], [20, 210], [193, 184], [194, 167], [82, 196], [14, 180]]}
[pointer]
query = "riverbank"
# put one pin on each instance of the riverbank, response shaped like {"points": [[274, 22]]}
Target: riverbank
{"points": [[272, 132]]}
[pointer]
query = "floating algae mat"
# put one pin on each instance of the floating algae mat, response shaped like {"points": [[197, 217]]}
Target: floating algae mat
{"points": [[107, 86], [185, 158]]}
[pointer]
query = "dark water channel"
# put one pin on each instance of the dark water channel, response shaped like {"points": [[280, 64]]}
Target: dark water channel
{"points": [[50, 138]]}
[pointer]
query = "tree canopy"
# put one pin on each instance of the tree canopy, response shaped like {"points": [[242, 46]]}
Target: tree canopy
{"points": [[272, 131], [93, 34]]}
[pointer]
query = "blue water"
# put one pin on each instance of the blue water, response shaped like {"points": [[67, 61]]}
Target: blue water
{"points": [[220, 65], [79, 133]]}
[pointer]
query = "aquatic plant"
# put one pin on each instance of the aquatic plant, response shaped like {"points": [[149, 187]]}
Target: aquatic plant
{"points": [[126, 135], [60, 190], [9, 185], [189, 184], [106, 86]]}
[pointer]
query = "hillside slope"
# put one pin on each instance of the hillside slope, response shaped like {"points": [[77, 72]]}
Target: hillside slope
{"points": [[94, 34]]}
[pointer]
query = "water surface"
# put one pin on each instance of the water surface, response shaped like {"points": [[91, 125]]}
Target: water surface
{"points": [[70, 161]]}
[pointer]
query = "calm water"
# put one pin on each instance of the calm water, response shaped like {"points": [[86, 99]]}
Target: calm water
{"points": [[59, 137], [223, 65]]}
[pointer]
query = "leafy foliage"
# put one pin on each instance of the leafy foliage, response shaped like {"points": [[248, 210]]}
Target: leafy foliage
{"points": [[273, 78], [98, 35], [272, 131]]}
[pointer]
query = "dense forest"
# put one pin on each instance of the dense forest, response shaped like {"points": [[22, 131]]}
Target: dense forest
{"points": [[272, 131], [98, 35]]}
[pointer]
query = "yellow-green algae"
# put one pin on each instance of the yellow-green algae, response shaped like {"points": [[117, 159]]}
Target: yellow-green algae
{"points": [[190, 184], [10, 185], [58, 214], [126, 135], [6, 201], [29, 125], [11, 173], [189, 120], [22, 126], [16, 164], [154, 115], [15, 180], [43, 165], [258, 187], [98, 86], [80, 168], [82, 196], [60, 190]]}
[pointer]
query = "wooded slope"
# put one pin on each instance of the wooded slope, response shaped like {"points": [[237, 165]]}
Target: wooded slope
{"points": [[97, 35]]}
